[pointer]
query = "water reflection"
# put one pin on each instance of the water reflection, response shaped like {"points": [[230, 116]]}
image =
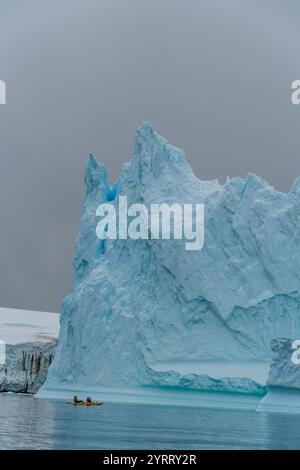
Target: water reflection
{"points": [[283, 430], [25, 423], [28, 423]]}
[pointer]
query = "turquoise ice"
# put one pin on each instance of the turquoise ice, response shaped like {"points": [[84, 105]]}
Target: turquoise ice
{"points": [[149, 313]]}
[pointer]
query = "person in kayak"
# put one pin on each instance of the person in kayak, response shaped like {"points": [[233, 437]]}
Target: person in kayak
{"points": [[89, 401], [75, 399]]}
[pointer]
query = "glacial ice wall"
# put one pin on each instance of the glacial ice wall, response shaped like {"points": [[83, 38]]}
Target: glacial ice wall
{"points": [[284, 379], [139, 302], [283, 371], [26, 367]]}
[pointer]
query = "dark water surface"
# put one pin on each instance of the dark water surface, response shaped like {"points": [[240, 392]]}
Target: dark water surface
{"points": [[31, 423]]}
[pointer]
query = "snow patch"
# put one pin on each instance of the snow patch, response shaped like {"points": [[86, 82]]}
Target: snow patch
{"points": [[26, 326]]}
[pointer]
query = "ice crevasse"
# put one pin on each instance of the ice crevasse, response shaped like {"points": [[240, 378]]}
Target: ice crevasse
{"points": [[148, 313]]}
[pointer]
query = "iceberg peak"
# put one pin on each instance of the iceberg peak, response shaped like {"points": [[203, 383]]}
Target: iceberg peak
{"points": [[152, 153], [96, 176], [296, 185]]}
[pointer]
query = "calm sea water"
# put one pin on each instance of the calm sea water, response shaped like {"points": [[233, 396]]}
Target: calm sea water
{"points": [[30, 423]]}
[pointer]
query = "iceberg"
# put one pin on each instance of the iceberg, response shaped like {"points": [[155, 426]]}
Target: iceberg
{"points": [[283, 380], [284, 372], [149, 315]]}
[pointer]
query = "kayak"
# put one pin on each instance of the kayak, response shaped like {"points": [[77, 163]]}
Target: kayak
{"points": [[94, 403]]}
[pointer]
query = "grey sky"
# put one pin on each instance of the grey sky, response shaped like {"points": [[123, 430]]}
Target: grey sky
{"points": [[213, 76]]}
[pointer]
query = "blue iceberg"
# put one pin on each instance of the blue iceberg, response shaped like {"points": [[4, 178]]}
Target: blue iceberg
{"points": [[149, 315]]}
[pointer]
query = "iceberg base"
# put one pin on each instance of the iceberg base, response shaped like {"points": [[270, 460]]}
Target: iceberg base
{"points": [[160, 396], [281, 400]]}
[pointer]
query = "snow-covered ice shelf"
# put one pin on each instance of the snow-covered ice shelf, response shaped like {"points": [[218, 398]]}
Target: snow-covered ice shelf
{"points": [[26, 326]]}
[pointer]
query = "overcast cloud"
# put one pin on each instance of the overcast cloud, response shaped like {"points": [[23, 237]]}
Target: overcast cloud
{"points": [[213, 76]]}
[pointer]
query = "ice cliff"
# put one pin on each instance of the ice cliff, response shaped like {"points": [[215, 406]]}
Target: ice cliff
{"points": [[283, 371], [139, 305], [284, 379], [30, 339], [26, 367]]}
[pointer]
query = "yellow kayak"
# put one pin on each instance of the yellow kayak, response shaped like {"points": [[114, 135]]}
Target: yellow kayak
{"points": [[84, 403]]}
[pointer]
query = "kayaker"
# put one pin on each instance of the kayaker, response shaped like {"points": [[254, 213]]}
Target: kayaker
{"points": [[75, 399], [89, 401]]}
